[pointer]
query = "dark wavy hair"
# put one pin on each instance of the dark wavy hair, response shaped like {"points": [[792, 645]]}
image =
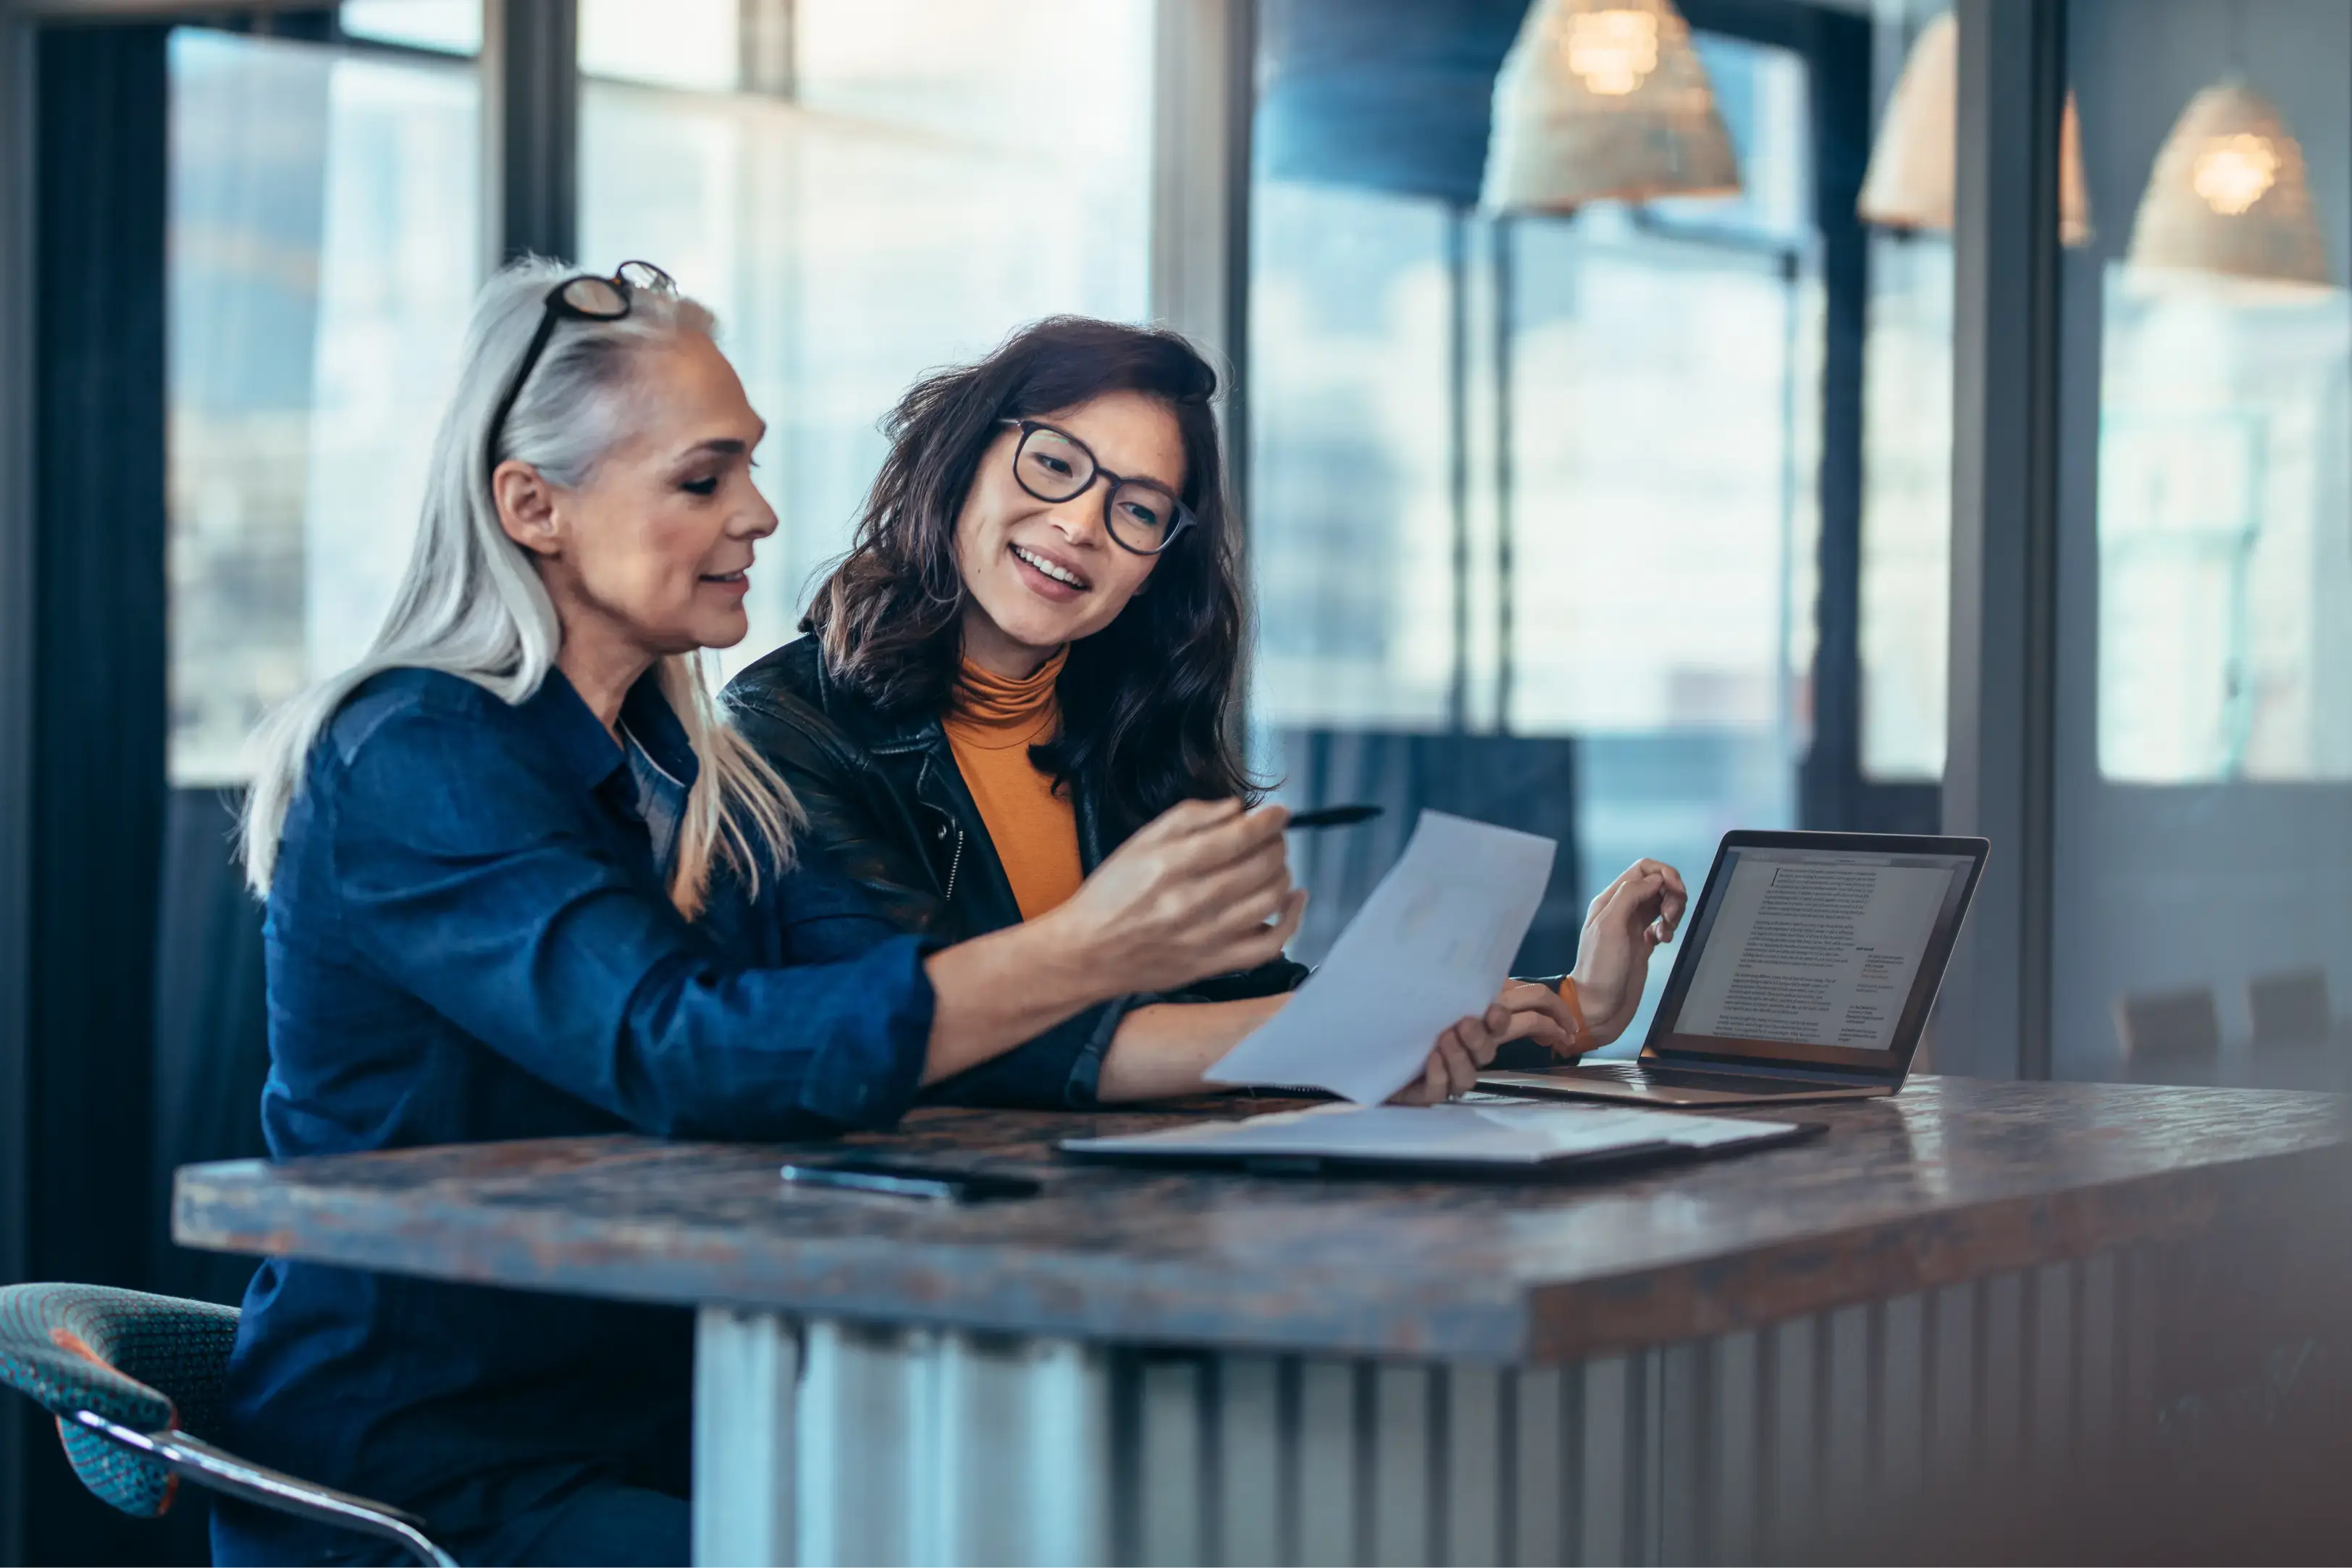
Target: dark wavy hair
{"points": [[1149, 703]]}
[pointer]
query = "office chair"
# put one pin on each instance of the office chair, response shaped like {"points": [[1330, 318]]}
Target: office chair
{"points": [[2291, 1008], [131, 1380], [2171, 1037]]}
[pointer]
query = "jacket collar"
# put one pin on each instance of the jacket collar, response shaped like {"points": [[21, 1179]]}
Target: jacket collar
{"points": [[864, 721], [938, 783]]}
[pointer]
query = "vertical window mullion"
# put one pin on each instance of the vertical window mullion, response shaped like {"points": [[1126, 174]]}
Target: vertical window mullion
{"points": [[530, 119]]}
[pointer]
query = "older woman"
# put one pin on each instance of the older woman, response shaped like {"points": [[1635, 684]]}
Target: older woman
{"points": [[1032, 648], [524, 881]]}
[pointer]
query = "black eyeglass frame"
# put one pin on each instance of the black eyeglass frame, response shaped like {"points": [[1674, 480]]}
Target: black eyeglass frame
{"points": [[1029, 427], [558, 307]]}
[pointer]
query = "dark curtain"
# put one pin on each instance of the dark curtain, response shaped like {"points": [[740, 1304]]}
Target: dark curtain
{"points": [[98, 770], [99, 713], [212, 1029]]}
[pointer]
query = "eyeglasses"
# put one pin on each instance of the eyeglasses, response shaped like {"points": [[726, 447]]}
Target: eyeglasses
{"points": [[586, 297], [1055, 465]]}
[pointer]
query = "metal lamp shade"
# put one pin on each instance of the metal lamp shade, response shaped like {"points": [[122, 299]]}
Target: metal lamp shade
{"points": [[1914, 164], [1603, 101], [2229, 196]]}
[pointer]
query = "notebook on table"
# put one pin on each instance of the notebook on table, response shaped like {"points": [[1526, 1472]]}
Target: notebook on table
{"points": [[1490, 1136]]}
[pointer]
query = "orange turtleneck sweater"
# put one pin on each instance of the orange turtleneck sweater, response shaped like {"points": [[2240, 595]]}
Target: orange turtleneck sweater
{"points": [[991, 728]]}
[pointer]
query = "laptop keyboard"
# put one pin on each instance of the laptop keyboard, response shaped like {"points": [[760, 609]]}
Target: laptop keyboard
{"points": [[1688, 1078]]}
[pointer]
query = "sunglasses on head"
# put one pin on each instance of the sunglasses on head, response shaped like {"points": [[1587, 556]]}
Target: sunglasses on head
{"points": [[586, 297]]}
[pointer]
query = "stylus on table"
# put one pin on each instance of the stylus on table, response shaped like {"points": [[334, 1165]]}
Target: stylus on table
{"points": [[1335, 817]]}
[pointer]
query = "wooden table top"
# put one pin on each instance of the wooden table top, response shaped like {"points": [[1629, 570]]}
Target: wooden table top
{"points": [[1950, 1180]]}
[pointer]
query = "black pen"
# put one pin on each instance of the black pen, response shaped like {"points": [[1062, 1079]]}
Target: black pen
{"points": [[1335, 817]]}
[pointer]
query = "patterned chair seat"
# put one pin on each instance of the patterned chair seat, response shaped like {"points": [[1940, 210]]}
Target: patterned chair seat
{"points": [[135, 1382]]}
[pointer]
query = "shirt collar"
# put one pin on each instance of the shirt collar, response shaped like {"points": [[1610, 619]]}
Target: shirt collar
{"points": [[587, 750], [646, 714]]}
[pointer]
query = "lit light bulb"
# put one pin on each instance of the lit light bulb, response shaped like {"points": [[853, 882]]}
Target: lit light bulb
{"points": [[2233, 172], [1613, 51]]}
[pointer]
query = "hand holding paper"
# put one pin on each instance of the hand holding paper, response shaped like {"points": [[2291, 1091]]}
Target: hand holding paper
{"points": [[1432, 944]]}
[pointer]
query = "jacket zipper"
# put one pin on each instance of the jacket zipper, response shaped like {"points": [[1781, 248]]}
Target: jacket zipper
{"points": [[954, 865]]}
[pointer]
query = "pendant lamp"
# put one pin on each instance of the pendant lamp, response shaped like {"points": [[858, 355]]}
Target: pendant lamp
{"points": [[1915, 163], [1603, 101], [2229, 196]]}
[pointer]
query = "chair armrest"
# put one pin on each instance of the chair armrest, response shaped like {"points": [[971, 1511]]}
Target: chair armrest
{"points": [[223, 1472]]}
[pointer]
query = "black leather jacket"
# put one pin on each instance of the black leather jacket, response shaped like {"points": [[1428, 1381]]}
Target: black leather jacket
{"points": [[885, 803]]}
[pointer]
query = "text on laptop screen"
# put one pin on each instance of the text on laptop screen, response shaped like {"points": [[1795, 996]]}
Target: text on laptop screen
{"points": [[1817, 947]]}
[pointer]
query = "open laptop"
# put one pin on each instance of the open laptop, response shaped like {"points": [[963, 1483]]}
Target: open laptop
{"points": [[1806, 971]]}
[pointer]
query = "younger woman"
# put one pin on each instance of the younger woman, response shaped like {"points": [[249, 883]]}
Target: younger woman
{"points": [[1032, 648]]}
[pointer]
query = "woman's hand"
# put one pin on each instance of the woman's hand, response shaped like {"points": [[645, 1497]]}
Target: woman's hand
{"points": [[1203, 889], [1542, 1014], [1631, 919], [1453, 1067]]}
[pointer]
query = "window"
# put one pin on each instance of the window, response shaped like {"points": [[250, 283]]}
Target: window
{"points": [[1904, 606], [2203, 825], [445, 26], [325, 248], [1663, 438], [889, 188], [1351, 515], [2225, 557], [1906, 508], [1533, 501]]}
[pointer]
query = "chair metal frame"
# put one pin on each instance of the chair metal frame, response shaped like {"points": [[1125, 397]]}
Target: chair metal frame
{"points": [[223, 1472]]}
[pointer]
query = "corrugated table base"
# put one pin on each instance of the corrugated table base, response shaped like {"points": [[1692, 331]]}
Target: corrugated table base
{"points": [[821, 1442]]}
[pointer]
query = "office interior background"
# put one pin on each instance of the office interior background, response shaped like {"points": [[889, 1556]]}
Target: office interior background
{"points": [[1982, 462]]}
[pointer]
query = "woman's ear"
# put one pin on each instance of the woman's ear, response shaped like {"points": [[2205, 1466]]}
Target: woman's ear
{"points": [[526, 506]]}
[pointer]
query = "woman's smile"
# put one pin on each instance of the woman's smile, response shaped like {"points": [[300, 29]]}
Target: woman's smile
{"points": [[1047, 574]]}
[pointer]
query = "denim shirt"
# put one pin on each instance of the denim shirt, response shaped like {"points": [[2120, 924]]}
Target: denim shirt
{"points": [[468, 938]]}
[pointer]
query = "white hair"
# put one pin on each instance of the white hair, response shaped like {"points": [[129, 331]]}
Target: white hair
{"points": [[471, 602]]}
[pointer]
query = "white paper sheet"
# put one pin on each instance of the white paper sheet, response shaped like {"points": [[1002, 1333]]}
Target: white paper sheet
{"points": [[1497, 1135], [1430, 945]]}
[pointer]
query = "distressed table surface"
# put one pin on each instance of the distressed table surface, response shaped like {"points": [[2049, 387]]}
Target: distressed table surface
{"points": [[1950, 1180]]}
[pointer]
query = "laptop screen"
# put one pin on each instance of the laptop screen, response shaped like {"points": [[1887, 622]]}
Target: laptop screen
{"points": [[1822, 950]]}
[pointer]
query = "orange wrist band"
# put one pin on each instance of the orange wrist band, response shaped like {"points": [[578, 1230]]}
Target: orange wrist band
{"points": [[1575, 1009]]}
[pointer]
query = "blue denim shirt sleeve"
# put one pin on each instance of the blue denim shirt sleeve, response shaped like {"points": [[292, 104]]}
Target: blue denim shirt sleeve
{"points": [[1058, 1070], [469, 880]]}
